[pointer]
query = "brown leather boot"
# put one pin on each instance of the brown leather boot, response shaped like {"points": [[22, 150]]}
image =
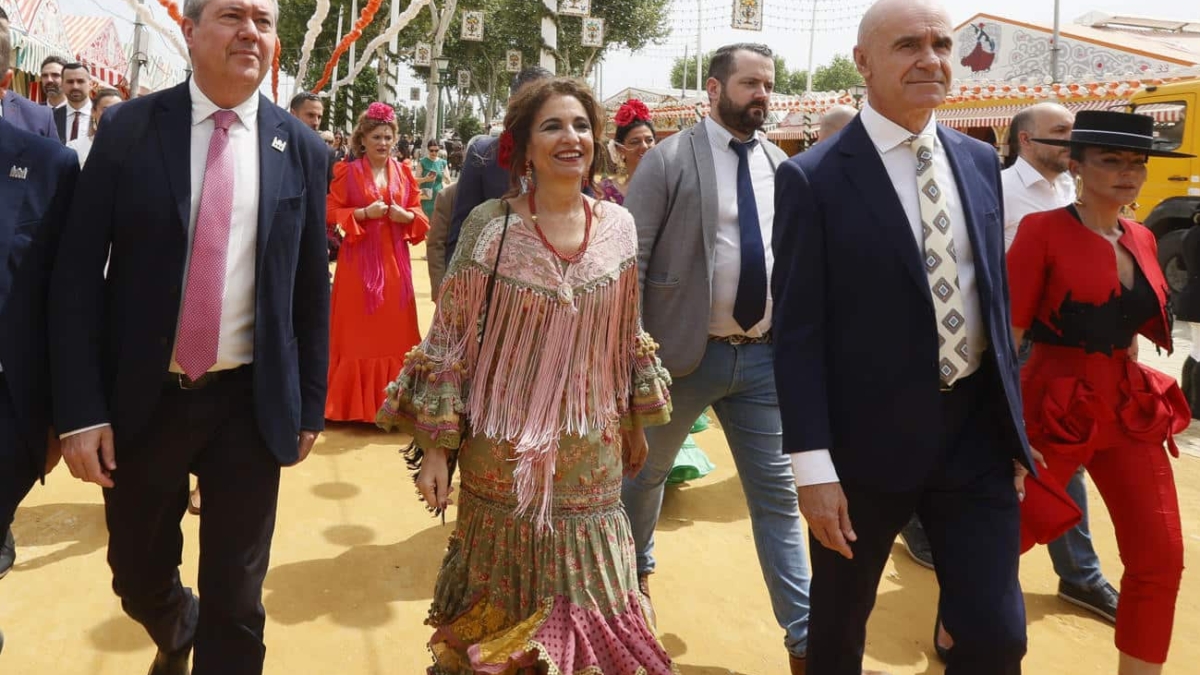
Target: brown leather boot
{"points": [[799, 665]]}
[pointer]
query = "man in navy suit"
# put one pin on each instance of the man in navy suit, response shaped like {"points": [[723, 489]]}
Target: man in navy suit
{"points": [[482, 178], [37, 177], [18, 110], [204, 349], [894, 359]]}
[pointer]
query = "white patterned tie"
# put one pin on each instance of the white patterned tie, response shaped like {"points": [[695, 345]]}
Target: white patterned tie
{"points": [[941, 266]]}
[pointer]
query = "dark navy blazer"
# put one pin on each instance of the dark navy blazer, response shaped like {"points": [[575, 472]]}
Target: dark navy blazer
{"points": [[29, 116], [855, 346], [113, 335]]}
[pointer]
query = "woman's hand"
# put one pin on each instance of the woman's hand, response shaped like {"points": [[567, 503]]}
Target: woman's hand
{"points": [[634, 450], [433, 480], [1020, 472], [398, 214]]}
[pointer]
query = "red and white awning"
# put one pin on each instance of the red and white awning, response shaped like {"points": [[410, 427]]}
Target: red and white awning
{"points": [[1164, 113], [96, 43]]}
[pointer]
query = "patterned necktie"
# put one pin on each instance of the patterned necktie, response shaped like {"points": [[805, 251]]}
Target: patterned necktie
{"points": [[200, 320], [751, 302], [941, 267]]}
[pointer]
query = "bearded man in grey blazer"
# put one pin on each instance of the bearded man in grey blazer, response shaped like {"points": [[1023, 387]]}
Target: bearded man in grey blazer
{"points": [[703, 201]]}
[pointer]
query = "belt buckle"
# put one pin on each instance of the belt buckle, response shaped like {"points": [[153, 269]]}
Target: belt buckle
{"points": [[186, 383]]}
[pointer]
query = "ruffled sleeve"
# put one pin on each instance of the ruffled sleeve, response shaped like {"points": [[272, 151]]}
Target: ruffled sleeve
{"points": [[428, 398], [649, 401], [338, 208]]}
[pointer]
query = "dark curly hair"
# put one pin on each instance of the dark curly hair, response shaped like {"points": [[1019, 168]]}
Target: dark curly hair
{"points": [[523, 109]]}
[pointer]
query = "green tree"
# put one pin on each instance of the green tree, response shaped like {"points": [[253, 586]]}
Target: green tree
{"points": [[838, 75], [785, 80], [467, 125]]}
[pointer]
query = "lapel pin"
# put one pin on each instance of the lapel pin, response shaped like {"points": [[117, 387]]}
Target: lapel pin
{"points": [[278, 144], [18, 172]]}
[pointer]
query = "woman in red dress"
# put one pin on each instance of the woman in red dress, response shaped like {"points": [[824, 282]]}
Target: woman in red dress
{"points": [[1085, 283], [376, 204]]}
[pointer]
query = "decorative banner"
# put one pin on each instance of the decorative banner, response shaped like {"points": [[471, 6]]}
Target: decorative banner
{"points": [[593, 32], [512, 61], [312, 30], [464, 79], [423, 54], [575, 7], [364, 19], [747, 14], [414, 93], [375, 45], [170, 36], [472, 26], [275, 71]]}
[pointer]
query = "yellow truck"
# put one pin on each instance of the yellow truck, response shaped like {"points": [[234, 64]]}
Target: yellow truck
{"points": [[1169, 203]]}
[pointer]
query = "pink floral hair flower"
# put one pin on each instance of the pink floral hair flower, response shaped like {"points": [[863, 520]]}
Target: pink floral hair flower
{"points": [[632, 111], [382, 112]]}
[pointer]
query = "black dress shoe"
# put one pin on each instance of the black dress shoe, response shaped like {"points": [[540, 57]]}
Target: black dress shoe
{"points": [[916, 543], [1101, 600], [8, 553], [173, 663]]}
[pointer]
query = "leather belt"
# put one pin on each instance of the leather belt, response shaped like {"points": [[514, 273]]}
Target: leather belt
{"points": [[211, 377], [735, 340]]}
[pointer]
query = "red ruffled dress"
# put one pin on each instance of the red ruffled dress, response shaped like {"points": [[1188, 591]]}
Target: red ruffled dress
{"points": [[1087, 402], [374, 308]]}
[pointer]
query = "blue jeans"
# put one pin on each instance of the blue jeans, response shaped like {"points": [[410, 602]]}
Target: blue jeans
{"points": [[1074, 557], [739, 383]]}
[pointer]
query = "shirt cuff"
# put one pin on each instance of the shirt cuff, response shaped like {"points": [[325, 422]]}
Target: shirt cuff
{"points": [[813, 467], [80, 431]]}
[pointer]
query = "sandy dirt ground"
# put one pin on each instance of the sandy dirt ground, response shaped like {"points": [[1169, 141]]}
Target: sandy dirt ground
{"points": [[355, 558]]}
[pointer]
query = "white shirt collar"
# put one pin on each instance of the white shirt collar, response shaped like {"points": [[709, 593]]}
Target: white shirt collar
{"points": [[886, 134], [203, 107], [85, 110], [1028, 174], [721, 136]]}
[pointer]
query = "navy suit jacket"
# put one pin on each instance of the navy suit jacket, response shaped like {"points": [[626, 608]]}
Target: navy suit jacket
{"points": [[481, 179], [29, 116], [37, 178], [855, 341], [114, 335]]}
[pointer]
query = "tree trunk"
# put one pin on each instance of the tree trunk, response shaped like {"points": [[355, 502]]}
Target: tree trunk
{"points": [[439, 39]]}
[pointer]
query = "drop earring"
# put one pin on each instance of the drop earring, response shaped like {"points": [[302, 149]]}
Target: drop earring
{"points": [[1078, 190]]}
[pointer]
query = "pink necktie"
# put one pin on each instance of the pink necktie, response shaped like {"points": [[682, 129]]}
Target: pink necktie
{"points": [[200, 320]]}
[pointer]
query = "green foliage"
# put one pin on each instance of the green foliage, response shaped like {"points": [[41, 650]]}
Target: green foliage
{"points": [[467, 125], [839, 75], [293, 23]]}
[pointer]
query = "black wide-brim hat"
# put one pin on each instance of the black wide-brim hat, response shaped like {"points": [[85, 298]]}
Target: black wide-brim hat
{"points": [[1112, 129]]}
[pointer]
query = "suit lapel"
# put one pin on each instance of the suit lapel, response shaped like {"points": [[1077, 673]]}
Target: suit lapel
{"points": [[271, 133], [174, 126], [866, 171], [707, 170], [966, 174]]}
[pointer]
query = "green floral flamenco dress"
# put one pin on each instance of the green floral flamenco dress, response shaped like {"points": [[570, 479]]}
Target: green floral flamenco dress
{"points": [[539, 576]]}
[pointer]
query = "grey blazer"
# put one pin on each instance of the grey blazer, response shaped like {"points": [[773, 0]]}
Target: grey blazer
{"points": [[673, 199]]}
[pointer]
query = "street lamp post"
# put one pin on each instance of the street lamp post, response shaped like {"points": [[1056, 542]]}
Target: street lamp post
{"points": [[858, 91], [443, 69]]}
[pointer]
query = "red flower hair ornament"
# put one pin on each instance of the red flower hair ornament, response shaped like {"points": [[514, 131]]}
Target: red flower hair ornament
{"points": [[504, 151], [381, 112], [632, 111]]}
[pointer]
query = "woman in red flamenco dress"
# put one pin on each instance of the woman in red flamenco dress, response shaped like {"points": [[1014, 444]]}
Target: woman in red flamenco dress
{"points": [[375, 202], [1085, 283]]}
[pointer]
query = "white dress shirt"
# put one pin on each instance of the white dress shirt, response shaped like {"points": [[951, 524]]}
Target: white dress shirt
{"points": [[727, 256], [236, 346], [85, 118], [1027, 191], [82, 146], [816, 466]]}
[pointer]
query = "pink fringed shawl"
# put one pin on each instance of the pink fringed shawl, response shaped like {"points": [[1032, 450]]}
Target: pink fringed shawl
{"points": [[563, 352], [362, 191]]}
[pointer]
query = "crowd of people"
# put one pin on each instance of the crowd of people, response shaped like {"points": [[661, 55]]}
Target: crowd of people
{"points": [[595, 296]]}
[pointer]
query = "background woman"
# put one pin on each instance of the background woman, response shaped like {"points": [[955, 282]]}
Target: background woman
{"points": [[374, 200], [548, 383], [432, 176], [633, 139], [1085, 282]]}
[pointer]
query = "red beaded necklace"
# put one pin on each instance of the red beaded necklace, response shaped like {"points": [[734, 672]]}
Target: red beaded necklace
{"points": [[587, 231]]}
